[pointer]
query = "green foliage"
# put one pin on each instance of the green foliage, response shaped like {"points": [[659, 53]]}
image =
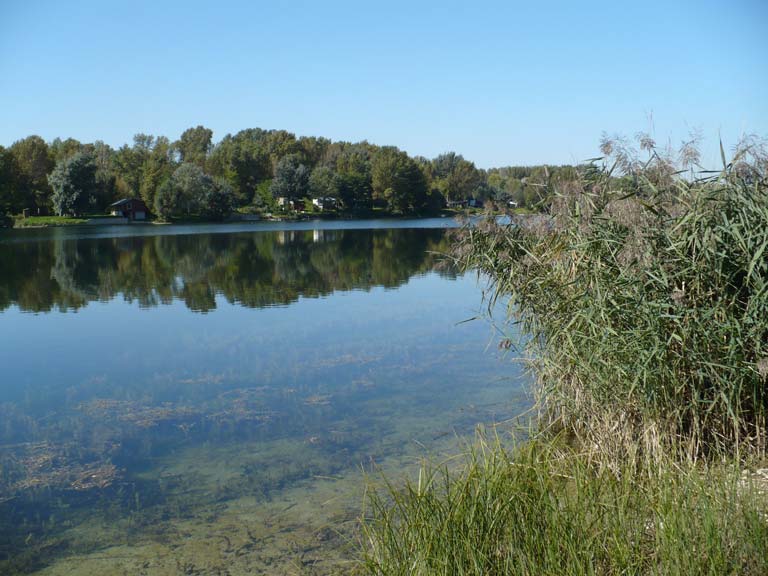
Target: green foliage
{"points": [[455, 177], [278, 144], [34, 161], [643, 301], [10, 191], [74, 184], [192, 192], [243, 162], [62, 149], [219, 200], [249, 165], [323, 183], [129, 163], [313, 148], [157, 167], [291, 178], [398, 181], [193, 184], [262, 198], [194, 145], [352, 163], [106, 181], [139, 170], [168, 200], [529, 186], [355, 190], [251, 161]]}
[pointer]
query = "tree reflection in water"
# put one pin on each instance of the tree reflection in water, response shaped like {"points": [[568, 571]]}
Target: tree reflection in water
{"points": [[253, 270]]}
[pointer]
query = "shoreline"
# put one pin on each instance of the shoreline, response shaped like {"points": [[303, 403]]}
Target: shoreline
{"points": [[97, 221]]}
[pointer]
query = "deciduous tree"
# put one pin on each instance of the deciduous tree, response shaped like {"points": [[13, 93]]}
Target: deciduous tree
{"points": [[397, 180], [35, 161], [74, 184], [10, 196], [291, 178], [194, 145]]}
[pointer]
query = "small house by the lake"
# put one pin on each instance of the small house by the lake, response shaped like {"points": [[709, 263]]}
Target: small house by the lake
{"points": [[288, 204], [131, 208], [327, 203]]}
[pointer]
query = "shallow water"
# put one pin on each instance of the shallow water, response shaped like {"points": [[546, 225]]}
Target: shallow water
{"points": [[207, 400]]}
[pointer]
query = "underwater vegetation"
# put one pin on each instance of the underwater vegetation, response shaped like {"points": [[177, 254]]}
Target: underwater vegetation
{"points": [[165, 441]]}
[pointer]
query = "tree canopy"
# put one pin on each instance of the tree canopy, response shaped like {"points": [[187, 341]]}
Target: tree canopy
{"points": [[74, 184], [250, 170], [398, 181], [190, 191], [291, 178]]}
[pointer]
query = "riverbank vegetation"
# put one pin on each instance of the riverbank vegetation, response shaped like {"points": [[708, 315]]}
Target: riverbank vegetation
{"points": [[642, 297], [252, 171], [45, 221], [546, 508]]}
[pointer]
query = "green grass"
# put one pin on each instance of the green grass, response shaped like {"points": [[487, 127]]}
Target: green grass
{"points": [[542, 510], [35, 221]]}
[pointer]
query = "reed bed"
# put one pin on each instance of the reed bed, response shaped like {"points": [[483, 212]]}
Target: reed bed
{"points": [[641, 297]]}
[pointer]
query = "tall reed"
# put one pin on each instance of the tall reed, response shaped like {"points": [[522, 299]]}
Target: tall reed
{"points": [[644, 296]]}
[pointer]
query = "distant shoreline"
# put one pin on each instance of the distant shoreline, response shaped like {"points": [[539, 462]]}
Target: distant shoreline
{"points": [[38, 222]]}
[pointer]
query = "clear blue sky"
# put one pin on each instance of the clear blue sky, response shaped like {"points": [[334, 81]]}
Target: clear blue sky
{"points": [[506, 82]]}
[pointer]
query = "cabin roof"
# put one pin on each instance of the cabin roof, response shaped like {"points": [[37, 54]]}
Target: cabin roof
{"points": [[125, 201]]}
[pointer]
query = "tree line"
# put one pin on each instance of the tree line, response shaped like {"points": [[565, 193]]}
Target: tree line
{"points": [[248, 171]]}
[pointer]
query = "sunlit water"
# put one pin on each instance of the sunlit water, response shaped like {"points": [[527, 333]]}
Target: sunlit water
{"points": [[207, 400]]}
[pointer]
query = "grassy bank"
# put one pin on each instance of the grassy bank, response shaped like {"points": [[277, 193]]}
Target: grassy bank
{"points": [[642, 296], [544, 509], [43, 221], [47, 221]]}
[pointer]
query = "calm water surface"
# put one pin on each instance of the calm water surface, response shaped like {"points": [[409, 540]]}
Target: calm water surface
{"points": [[206, 399]]}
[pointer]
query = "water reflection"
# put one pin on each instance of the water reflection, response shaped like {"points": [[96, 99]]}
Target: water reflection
{"points": [[253, 270], [140, 433]]}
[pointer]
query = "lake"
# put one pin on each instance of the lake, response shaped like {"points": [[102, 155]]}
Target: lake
{"points": [[213, 399]]}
